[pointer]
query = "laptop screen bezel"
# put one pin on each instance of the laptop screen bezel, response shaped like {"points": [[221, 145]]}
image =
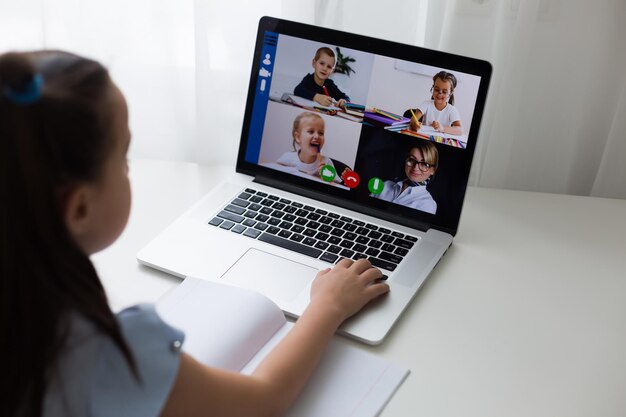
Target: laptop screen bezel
{"points": [[386, 211]]}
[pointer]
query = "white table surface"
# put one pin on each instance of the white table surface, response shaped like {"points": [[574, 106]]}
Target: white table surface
{"points": [[524, 316]]}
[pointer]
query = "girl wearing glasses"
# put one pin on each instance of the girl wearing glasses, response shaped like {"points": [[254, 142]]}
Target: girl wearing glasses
{"points": [[438, 112], [420, 165]]}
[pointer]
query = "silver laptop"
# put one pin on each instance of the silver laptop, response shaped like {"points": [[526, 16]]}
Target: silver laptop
{"points": [[330, 166]]}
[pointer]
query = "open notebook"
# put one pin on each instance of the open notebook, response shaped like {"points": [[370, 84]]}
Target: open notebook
{"points": [[234, 328]]}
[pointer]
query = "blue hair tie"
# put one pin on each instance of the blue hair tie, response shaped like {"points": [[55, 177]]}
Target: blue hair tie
{"points": [[29, 92]]}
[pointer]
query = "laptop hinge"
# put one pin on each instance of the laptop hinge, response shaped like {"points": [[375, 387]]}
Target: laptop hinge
{"points": [[329, 199]]}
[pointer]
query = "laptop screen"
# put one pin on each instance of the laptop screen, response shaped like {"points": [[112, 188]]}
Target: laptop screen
{"points": [[371, 125]]}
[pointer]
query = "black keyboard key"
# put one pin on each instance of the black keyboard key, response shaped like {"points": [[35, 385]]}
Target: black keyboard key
{"points": [[235, 209], [227, 225], [359, 248], [238, 228], [403, 243], [215, 221], [349, 227], [322, 212], [337, 232], [325, 228], [297, 228], [347, 253], [278, 214], [386, 256], [387, 238], [260, 226], [250, 191], [302, 213], [362, 231], [321, 245], [372, 252], [290, 209], [250, 214], [278, 206], [358, 222], [255, 207], [241, 203], [329, 257], [362, 239], [244, 196], [349, 236], [284, 233], [379, 263], [230, 216], [375, 243], [261, 193], [313, 224], [266, 210], [298, 205], [346, 244], [325, 220], [334, 249], [309, 208], [383, 230], [410, 238], [253, 233], [397, 234], [333, 215], [321, 236], [285, 225], [267, 202], [337, 223], [374, 235], [249, 222], [273, 230], [301, 221], [256, 199], [346, 219], [297, 238], [262, 217], [273, 221], [309, 241], [313, 216], [371, 226], [290, 245], [358, 255], [309, 232], [273, 197], [401, 251], [334, 240], [289, 217], [388, 247], [285, 201]]}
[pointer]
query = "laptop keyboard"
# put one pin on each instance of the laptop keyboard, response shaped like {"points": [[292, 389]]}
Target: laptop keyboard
{"points": [[312, 231]]}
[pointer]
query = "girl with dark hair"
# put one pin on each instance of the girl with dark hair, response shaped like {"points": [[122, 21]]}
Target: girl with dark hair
{"points": [[438, 112], [64, 138]]}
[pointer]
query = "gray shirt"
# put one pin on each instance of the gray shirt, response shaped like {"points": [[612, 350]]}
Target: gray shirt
{"points": [[92, 377]]}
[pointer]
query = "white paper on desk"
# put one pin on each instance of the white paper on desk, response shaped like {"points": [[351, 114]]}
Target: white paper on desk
{"points": [[429, 130], [222, 321]]}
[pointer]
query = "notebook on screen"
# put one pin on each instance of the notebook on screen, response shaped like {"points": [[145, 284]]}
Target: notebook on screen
{"points": [[351, 147]]}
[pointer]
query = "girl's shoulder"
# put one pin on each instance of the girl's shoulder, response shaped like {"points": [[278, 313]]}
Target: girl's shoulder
{"points": [[93, 374]]}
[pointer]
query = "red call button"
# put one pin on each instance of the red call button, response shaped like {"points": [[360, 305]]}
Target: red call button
{"points": [[351, 179]]}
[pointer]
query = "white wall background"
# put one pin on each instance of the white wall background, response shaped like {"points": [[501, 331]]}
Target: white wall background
{"points": [[556, 112]]}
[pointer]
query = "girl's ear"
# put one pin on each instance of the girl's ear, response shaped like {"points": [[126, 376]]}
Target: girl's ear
{"points": [[77, 211]]}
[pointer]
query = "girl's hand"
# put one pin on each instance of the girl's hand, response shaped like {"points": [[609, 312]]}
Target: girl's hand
{"points": [[347, 287], [437, 126], [415, 124], [341, 103], [322, 99]]}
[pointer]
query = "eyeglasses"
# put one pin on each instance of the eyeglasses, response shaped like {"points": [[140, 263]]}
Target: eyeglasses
{"points": [[421, 165], [436, 90]]}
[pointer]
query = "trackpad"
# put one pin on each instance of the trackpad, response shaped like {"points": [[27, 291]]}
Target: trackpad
{"points": [[277, 278]]}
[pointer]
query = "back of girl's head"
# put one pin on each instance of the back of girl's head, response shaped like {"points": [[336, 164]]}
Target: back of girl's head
{"points": [[297, 122], [54, 135], [449, 78]]}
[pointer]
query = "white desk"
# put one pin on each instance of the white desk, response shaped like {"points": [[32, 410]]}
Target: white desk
{"points": [[525, 315]]}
